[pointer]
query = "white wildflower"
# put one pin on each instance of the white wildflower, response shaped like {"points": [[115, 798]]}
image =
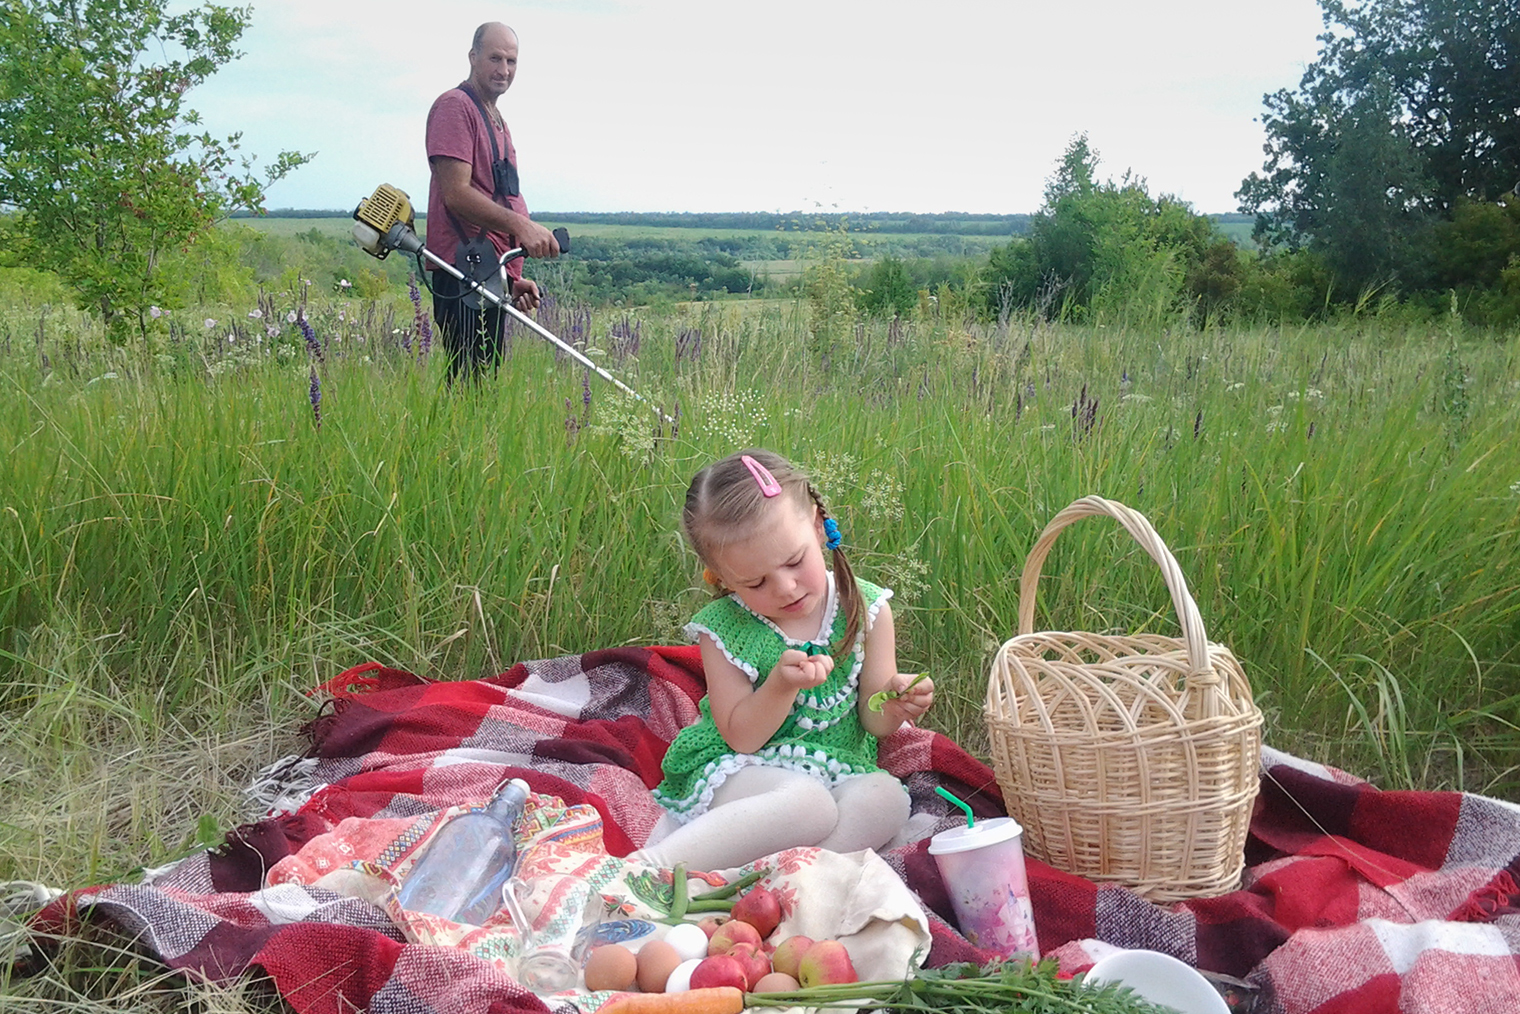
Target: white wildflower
{"points": [[907, 576], [255, 314], [834, 475], [667, 618], [732, 418], [882, 497]]}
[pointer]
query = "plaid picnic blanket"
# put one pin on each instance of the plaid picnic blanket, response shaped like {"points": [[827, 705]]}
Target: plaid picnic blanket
{"points": [[1354, 900]]}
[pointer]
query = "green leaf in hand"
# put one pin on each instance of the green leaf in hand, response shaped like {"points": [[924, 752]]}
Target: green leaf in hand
{"points": [[879, 700]]}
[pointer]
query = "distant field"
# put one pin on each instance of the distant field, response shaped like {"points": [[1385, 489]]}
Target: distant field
{"points": [[1239, 231], [777, 270], [607, 230], [291, 226]]}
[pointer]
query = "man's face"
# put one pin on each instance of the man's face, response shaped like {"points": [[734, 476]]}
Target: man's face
{"points": [[494, 64]]}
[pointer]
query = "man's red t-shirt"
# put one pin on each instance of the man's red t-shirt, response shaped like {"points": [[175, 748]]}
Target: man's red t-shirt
{"points": [[455, 129]]}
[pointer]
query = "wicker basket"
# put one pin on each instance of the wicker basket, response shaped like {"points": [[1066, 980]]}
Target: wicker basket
{"points": [[1126, 759]]}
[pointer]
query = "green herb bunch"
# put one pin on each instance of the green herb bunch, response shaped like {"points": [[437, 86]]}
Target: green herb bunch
{"points": [[965, 988]]}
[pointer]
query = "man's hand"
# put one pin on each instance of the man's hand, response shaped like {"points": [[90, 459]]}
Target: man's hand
{"points": [[800, 671], [536, 240], [525, 295]]}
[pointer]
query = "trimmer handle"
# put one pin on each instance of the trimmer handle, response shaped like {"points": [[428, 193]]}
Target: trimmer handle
{"points": [[561, 236]]}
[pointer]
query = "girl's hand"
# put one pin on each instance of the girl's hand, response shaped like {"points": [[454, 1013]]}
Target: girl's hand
{"points": [[914, 698], [801, 671]]}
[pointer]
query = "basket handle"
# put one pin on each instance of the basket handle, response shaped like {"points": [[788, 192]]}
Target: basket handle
{"points": [[1134, 522]]}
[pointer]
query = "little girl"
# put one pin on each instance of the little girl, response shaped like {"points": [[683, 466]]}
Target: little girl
{"points": [[784, 753]]}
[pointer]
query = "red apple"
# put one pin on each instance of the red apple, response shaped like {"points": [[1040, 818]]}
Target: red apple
{"points": [[789, 953], [711, 923], [735, 931], [720, 970], [826, 963], [754, 961], [760, 908]]}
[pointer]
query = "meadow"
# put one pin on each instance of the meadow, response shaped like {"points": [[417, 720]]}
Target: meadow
{"points": [[195, 533]]}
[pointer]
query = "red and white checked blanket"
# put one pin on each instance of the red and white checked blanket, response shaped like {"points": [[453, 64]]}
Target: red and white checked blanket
{"points": [[1355, 900]]}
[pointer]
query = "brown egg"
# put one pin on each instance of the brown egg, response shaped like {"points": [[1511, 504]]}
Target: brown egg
{"points": [[776, 982], [611, 966], [656, 961]]}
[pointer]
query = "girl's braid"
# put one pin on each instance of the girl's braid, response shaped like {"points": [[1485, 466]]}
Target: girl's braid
{"points": [[844, 582]]}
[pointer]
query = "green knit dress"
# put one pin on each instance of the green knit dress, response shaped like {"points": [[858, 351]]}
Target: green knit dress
{"points": [[821, 737]]}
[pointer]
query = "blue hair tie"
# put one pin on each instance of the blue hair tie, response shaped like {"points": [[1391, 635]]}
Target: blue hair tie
{"points": [[831, 529]]}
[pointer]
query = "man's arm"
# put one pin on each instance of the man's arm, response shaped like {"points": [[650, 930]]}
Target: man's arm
{"points": [[472, 206]]}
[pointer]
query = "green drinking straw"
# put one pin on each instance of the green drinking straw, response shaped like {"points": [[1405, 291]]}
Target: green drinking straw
{"points": [[970, 820]]}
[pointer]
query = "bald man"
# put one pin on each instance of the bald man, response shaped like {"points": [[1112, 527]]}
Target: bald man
{"points": [[474, 192]]}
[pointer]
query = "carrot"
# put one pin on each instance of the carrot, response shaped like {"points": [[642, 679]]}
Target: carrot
{"points": [[711, 1000]]}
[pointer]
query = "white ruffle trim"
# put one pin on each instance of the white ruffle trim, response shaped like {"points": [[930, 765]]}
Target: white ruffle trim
{"points": [[791, 756]]}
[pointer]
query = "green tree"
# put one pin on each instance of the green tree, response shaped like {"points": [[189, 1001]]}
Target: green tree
{"points": [[1106, 247], [1409, 109], [104, 166], [888, 291]]}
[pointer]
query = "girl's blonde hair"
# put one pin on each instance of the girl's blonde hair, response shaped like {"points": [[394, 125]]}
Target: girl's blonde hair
{"points": [[724, 501]]}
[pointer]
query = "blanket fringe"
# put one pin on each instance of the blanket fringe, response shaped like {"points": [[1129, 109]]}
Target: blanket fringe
{"points": [[19, 899], [1500, 896], [282, 787]]}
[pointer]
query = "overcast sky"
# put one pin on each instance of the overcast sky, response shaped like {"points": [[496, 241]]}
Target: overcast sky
{"points": [[786, 105]]}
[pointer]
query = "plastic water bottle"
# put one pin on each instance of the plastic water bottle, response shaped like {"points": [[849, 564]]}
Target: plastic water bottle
{"points": [[460, 875]]}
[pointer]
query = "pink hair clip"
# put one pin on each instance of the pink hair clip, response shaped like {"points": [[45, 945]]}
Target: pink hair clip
{"points": [[769, 487]]}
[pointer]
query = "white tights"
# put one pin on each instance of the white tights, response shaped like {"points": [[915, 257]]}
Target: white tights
{"points": [[759, 810]]}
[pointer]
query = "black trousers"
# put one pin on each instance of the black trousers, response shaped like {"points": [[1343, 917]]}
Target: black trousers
{"points": [[472, 338]]}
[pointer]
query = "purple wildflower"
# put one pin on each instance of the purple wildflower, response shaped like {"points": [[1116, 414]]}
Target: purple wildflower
{"points": [[424, 325], [313, 346], [625, 339], [689, 344], [316, 398], [1084, 413], [586, 389]]}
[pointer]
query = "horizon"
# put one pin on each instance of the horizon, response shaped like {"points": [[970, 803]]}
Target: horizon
{"points": [[291, 212]]}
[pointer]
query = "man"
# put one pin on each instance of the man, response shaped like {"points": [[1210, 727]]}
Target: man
{"points": [[473, 192]]}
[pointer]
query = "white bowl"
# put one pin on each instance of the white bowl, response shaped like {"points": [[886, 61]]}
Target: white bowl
{"points": [[1160, 978]]}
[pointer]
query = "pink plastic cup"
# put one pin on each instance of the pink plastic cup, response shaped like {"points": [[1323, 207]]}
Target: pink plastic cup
{"points": [[983, 869]]}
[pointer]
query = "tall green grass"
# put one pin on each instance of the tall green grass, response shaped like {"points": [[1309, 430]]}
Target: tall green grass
{"points": [[183, 551]]}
